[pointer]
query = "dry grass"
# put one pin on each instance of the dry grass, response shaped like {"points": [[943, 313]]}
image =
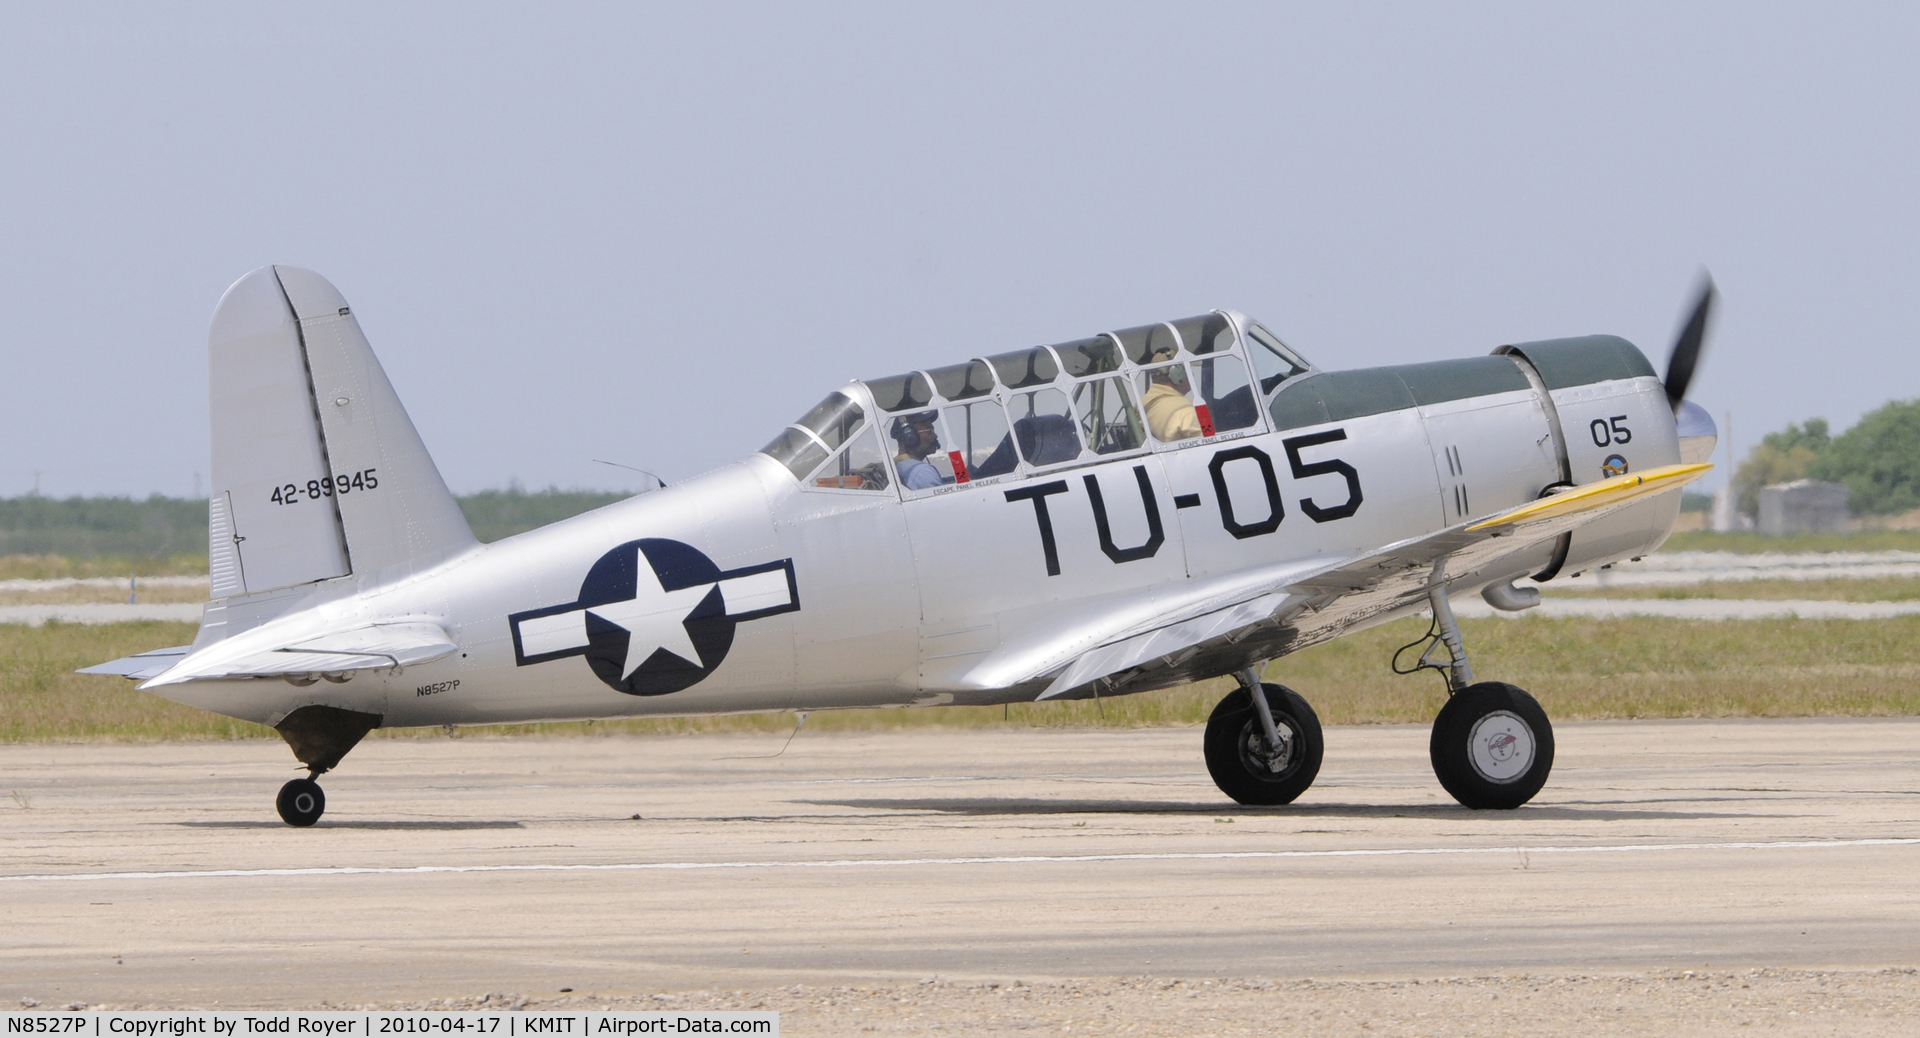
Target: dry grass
{"points": [[1841, 589], [1582, 668], [43, 700], [1903, 521], [1579, 668], [146, 593], [47, 567]]}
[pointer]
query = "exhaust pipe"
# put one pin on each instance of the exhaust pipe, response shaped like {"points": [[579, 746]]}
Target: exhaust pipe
{"points": [[1507, 598]]}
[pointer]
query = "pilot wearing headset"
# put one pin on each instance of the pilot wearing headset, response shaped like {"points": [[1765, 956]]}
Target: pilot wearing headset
{"points": [[916, 436]]}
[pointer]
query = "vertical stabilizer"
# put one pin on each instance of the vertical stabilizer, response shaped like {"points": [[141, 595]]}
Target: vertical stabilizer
{"points": [[267, 450], [317, 470]]}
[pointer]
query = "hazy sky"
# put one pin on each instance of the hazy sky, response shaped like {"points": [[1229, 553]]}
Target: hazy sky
{"points": [[655, 234]]}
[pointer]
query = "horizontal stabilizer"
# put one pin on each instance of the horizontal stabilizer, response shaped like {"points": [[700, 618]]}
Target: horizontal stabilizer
{"points": [[142, 665], [375, 647]]}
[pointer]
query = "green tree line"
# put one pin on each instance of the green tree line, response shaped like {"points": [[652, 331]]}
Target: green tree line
{"points": [[159, 527], [1878, 459]]}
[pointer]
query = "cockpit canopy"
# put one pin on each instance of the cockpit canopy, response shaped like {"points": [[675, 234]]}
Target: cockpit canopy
{"points": [[1047, 407]]}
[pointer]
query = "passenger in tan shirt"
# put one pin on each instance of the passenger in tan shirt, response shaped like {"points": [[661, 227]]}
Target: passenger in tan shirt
{"points": [[1169, 413]]}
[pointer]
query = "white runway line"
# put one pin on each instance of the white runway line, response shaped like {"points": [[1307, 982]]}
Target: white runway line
{"points": [[850, 863], [1697, 609], [99, 613]]}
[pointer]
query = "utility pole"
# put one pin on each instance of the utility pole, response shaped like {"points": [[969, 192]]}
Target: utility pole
{"points": [[1725, 508]]}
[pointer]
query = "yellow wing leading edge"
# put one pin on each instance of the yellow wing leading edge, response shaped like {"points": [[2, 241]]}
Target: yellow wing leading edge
{"points": [[1600, 494]]}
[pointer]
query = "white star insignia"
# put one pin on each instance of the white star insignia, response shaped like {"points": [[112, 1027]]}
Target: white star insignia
{"points": [[654, 618]]}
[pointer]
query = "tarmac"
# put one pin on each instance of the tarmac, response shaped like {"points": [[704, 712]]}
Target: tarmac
{"points": [[158, 875]]}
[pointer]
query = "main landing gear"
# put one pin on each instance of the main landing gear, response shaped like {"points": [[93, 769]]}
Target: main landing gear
{"points": [[1492, 745], [1263, 743], [319, 737]]}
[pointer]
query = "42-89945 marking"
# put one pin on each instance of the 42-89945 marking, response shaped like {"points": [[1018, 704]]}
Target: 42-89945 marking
{"points": [[347, 483]]}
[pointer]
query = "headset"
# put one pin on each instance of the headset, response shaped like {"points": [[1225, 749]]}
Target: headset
{"points": [[905, 431]]}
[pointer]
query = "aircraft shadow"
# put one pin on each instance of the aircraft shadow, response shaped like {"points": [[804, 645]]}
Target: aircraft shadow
{"points": [[978, 806], [323, 824]]}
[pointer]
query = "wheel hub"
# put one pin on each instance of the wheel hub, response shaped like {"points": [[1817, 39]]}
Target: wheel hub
{"points": [[1262, 757], [1501, 746]]}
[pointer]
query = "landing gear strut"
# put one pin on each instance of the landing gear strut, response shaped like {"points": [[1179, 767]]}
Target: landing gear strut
{"points": [[1492, 745], [1263, 743], [319, 737]]}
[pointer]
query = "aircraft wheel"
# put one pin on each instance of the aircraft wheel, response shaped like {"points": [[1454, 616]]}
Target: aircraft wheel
{"points": [[301, 802], [1242, 763], [1492, 746]]}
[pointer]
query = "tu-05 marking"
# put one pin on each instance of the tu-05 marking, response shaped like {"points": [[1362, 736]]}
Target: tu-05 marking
{"points": [[1239, 527], [989, 531]]}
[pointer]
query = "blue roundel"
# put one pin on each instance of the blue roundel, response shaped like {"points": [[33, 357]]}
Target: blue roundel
{"points": [[654, 616], [676, 567]]}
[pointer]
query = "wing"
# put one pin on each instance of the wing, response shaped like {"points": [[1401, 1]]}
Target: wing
{"points": [[1307, 608], [372, 647]]}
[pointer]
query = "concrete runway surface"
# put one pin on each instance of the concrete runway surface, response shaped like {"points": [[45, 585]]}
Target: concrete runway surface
{"points": [[159, 875]]}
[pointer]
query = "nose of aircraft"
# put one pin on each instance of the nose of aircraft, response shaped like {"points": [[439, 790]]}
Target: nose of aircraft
{"points": [[1697, 433]]}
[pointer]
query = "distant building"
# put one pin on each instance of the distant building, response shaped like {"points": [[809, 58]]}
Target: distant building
{"points": [[1803, 506]]}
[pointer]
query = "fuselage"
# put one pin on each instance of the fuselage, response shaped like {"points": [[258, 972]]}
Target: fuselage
{"points": [[815, 575]]}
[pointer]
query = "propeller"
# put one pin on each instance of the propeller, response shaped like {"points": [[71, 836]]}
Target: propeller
{"points": [[1686, 349]]}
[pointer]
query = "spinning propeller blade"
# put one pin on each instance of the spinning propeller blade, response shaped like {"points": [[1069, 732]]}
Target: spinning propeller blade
{"points": [[1686, 349]]}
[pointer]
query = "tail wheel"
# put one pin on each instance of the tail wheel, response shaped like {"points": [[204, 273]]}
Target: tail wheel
{"points": [[301, 802], [1492, 746], [1245, 765]]}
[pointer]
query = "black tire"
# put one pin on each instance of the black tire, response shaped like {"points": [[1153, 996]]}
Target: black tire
{"points": [[301, 802], [1492, 746], [1236, 745]]}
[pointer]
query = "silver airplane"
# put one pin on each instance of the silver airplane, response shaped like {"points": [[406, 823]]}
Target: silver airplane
{"points": [[1120, 513]]}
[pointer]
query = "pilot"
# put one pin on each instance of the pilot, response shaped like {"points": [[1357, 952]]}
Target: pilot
{"points": [[917, 439], [1169, 413]]}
